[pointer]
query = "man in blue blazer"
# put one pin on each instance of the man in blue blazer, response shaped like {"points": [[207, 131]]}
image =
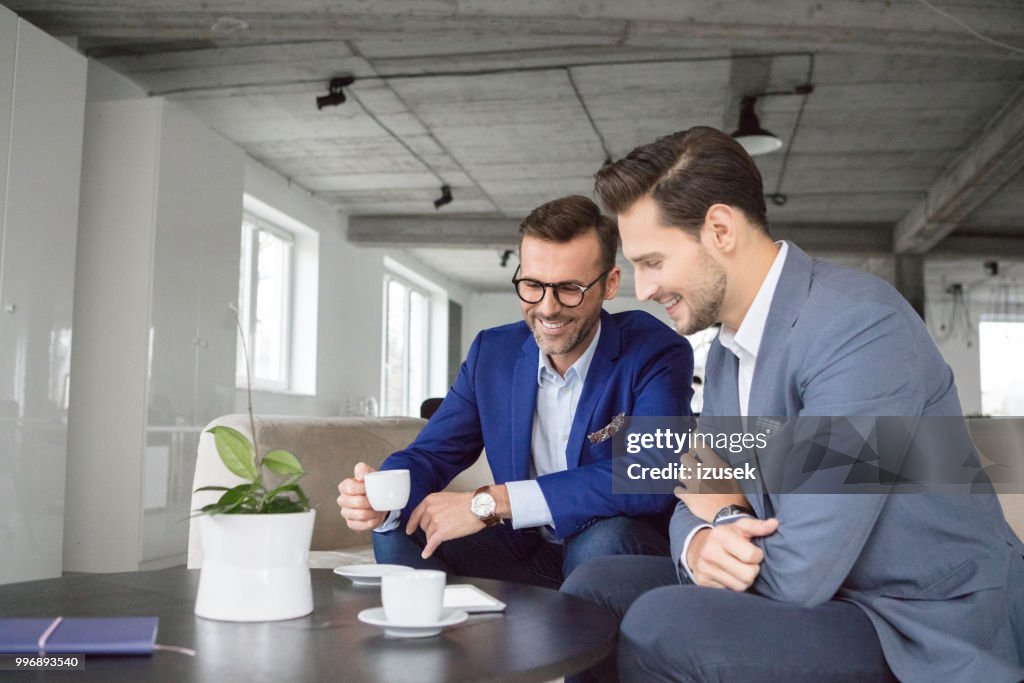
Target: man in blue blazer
{"points": [[542, 397], [782, 586]]}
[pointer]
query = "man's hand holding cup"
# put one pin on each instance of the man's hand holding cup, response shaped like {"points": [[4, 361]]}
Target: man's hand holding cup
{"points": [[366, 500]]}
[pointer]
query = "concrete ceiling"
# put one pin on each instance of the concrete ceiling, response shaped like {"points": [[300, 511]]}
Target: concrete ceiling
{"points": [[911, 142]]}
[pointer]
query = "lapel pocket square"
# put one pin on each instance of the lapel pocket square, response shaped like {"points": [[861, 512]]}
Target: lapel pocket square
{"points": [[608, 431]]}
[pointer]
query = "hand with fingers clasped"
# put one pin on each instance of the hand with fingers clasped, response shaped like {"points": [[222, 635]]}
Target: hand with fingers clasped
{"points": [[725, 556], [446, 516], [355, 506]]}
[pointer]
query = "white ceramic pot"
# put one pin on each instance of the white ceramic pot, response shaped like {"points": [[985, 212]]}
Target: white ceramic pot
{"points": [[255, 567]]}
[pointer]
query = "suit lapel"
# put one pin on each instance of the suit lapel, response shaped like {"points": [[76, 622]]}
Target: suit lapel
{"points": [[601, 365], [767, 391], [523, 406], [767, 396]]}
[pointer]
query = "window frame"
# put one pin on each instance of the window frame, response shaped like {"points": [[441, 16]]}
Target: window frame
{"points": [[248, 302]]}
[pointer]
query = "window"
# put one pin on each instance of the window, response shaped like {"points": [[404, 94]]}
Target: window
{"points": [[265, 302], [1000, 342], [406, 346]]}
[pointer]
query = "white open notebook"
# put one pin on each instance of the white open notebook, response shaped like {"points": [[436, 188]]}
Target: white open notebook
{"points": [[471, 599]]}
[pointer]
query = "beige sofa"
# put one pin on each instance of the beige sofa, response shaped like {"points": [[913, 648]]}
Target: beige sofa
{"points": [[329, 448]]}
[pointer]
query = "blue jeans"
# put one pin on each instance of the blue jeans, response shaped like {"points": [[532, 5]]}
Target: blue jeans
{"points": [[499, 552], [681, 632]]}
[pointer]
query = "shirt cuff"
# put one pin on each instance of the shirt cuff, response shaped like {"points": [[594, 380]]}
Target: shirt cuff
{"points": [[527, 503], [390, 522], [686, 546]]}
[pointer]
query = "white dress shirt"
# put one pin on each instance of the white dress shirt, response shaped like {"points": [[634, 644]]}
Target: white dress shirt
{"points": [[745, 343]]}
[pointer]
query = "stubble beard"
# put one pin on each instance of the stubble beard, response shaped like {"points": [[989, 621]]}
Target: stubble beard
{"points": [[566, 345], [705, 302]]}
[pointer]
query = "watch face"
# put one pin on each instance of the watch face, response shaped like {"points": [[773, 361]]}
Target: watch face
{"points": [[482, 505]]}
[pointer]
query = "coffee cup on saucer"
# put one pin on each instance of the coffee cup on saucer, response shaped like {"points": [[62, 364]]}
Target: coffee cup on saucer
{"points": [[413, 598], [387, 489]]}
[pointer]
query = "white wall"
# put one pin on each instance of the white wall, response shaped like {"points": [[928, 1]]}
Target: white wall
{"points": [[351, 304], [986, 296]]}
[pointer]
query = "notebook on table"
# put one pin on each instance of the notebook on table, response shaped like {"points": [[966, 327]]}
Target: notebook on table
{"points": [[79, 635]]}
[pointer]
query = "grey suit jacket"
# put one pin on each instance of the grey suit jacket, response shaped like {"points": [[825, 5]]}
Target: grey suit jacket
{"points": [[941, 576]]}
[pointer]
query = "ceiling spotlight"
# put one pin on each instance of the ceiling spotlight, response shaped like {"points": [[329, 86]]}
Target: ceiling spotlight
{"points": [[445, 198], [335, 93], [755, 139], [505, 256]]}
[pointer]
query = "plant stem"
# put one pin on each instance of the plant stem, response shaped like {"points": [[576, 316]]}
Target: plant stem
{"points": [[248, 392]]}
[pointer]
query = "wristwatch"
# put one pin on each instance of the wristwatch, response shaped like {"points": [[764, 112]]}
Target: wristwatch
{"points": [[730, 513], [483, 507]]}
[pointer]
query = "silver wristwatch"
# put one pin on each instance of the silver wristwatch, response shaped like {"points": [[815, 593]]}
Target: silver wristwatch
{"points": [[484, 507], [730, 513]]}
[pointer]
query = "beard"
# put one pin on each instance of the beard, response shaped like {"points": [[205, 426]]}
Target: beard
{"points": [[580, 329], [704, 302]]}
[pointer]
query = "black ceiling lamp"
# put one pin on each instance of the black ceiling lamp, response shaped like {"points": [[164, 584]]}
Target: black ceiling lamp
{"points": [[445, 198], [755, 139], [335, 93]]}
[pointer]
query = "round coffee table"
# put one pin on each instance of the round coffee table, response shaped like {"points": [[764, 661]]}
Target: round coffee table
{"points": [[541, 635]]}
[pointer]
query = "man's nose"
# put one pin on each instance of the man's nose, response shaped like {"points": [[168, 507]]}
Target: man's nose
{"points": [[549, 304], [646, 288]]}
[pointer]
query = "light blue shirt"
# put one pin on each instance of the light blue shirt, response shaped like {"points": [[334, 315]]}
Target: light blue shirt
{"points": [[557, 398]]}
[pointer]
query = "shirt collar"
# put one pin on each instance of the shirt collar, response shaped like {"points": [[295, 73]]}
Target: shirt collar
{"points": [[579, 368], [747, 339]]}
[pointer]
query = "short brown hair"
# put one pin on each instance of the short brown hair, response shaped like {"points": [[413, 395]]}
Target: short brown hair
{"points": [[564, 219], [685, 173]]}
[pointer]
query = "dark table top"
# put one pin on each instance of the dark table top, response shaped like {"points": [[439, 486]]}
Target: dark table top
{"points": [[541, 635]]}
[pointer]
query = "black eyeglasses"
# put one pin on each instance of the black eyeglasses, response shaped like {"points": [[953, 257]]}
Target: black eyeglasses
{"points": [[568, 294]]}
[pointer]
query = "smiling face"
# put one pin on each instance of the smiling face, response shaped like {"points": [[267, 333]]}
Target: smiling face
{"points": [[561, 332], [672, 268]]}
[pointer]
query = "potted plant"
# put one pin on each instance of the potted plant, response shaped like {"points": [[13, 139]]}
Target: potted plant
{"points": [[256, 537]]}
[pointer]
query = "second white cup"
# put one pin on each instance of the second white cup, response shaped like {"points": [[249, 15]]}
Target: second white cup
{"points": [[387, 490], [413, 598]]}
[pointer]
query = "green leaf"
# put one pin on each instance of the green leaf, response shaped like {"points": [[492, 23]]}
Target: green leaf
{"points": [[283, 463], [234, 498], [235, 452], [279, 505], [211, 488], [286, 485]]}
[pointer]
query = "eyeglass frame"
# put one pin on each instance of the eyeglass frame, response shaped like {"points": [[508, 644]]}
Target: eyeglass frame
{"points": [[554, 288]]}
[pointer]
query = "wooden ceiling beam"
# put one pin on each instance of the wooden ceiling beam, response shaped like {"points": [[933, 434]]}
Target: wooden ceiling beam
{"points": [[969, 181]]}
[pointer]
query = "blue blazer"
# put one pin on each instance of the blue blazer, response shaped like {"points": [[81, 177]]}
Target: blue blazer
{"points": [[640, 367], [937, 574]]}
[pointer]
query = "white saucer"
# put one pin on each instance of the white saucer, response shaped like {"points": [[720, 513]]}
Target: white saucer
{"points": [[375, 617], [369, 574]]}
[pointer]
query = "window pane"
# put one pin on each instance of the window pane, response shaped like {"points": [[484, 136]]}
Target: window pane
{"points": [[274, 258], [1001, 367], [418, 345], [394, 362]]}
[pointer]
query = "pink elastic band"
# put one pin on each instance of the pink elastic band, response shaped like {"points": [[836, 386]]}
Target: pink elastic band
{"points": [[41, 643]]}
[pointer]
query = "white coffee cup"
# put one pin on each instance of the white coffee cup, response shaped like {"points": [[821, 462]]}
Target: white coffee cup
{"points": [[388, 489], [413, 598]]}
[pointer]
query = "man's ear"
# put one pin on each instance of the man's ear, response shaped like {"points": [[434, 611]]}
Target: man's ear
{"points": [[720, 228], [611, 283]]}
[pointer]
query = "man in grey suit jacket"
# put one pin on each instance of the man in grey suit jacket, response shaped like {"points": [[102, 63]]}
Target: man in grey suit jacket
{"points": [[785, 586]]}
